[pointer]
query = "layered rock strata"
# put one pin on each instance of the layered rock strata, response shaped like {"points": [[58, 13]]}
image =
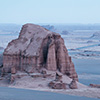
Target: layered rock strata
{"points": [[38, 48]]}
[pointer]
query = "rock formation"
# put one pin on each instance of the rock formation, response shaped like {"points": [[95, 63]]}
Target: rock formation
{"points": [[65, 32], [96, 35], [73, 85], [50, 28], [37, 48], [57, 85], [58, 82], [95, 85]]}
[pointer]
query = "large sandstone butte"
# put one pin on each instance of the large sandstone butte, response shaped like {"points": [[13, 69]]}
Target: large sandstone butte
{"points": [[37, 48]]}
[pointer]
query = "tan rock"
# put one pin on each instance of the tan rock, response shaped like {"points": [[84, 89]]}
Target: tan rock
{"points": [[38, 48]]}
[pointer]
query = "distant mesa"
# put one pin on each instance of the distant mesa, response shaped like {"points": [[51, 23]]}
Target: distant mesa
{"points": [[65, 32], [37, 50], [96, 35]]}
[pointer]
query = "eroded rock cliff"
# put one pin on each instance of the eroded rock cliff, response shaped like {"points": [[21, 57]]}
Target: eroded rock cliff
{"points": [[38, 48]]}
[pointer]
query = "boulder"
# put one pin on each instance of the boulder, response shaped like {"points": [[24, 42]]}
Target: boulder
{"points": [[58, 77], [73, 84], [57, 85]]}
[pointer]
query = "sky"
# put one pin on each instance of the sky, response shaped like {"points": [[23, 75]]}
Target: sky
{"points": [[50, 11]]}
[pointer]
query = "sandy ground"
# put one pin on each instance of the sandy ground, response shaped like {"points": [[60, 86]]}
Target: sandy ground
{"points": [[26, 94], [86, 92], [41, 84]]}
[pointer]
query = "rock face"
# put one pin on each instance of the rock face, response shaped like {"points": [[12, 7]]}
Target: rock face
{"points": [[1, 60], [65, 32], [37, 48]]}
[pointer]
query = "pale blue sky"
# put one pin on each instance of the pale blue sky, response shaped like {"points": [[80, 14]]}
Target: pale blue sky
{"points": [[49, 11]]}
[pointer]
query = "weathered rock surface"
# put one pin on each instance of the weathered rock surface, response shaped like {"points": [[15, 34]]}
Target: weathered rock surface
{"points": [[58, 82], [73, 85], [37, 48]]}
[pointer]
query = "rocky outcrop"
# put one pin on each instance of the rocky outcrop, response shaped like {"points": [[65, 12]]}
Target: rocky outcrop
{"points": [[37, 48], [96, 35], [58, 82], [65, 32], [57, 85], [73, 85], [95, 85]]}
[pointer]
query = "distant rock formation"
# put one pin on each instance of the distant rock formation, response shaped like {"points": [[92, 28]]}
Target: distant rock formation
{"points": [[96, 35], [95, 85], [65, 32], [38, 48], [49, 27], [57, 85]]}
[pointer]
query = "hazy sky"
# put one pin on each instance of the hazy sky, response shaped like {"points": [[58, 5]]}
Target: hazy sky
{"points": [[49, 11]]}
